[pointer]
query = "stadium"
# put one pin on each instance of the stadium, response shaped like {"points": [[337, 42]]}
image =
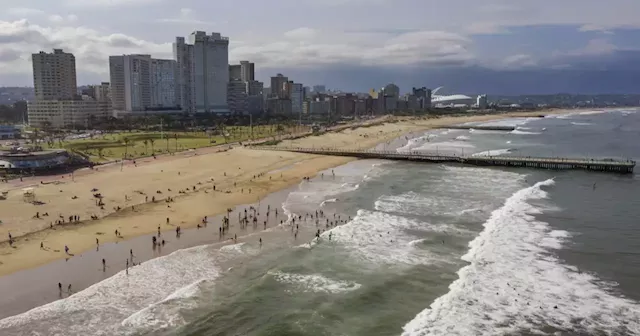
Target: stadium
{"points": [[447, 100]]}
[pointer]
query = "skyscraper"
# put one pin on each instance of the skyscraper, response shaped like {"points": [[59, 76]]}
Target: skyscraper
{"points": [[235, 72], [183, 55], [247, 71], [54, 75], [130, 82], [164, 92], [210, 72], [278, 86]]}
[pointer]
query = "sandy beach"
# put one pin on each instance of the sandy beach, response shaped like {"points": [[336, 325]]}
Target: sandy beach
{"points": [[240, 176]]}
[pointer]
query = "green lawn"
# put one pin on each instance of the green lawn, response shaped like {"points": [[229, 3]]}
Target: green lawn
{"points": [[140, 144]]}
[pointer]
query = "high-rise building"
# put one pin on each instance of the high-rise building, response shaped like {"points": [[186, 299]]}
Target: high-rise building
{"points": [[247, 71], [319, 89], [57, 103], [203, 72], [297, 97], [482, 102], [235, 72], [183, 55], [237, 96], [423, 96], [102, 92], [210, 71], [54, 75], [279, 86], [254, 88], [130, 82], [164, 93]]}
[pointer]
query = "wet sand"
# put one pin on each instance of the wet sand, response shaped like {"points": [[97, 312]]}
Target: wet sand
{"points": [[27, 289]]}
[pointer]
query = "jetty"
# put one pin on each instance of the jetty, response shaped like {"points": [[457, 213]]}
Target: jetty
{"points": [[601, 165], [482, 128]]}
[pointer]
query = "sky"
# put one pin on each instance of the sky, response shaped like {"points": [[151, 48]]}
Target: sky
{"points": [[469, 46]]}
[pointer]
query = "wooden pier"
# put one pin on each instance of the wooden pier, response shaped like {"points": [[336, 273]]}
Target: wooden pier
{"points": [[602, 165], [483, 128]]}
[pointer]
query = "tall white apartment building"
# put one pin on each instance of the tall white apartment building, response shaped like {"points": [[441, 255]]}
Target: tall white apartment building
{"points": [[140, 83], [54, 75], [203, 72], [164, 92], [130, 77], [297, 97]]}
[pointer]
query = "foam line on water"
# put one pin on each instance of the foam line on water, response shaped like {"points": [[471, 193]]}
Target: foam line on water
{"points": [[493, 152], [379, 238], [513, 283], [100, 308], [315, 283]]}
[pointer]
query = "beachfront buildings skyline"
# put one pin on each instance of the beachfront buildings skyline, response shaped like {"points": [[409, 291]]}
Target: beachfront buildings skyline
{"points": [[199, 79], [57, 102]]}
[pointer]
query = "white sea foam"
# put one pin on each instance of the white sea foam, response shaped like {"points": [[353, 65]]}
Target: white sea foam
{"points": [[581, 123], [100, 309], [523, 132], [513, 284], [315, 283], [493, 152], [379, 238], [462, 138]]}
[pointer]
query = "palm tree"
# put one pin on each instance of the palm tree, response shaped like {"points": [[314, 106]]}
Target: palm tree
{"points": [[151, 142], [175, 136], [126, 146], [145, 142]]}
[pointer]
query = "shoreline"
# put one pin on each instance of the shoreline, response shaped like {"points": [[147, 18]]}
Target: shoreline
{"points": [[290, 167]]}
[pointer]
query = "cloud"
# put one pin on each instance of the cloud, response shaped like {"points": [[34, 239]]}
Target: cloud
{"points": [[108, 3], [58, 19], [91, 48], [186, 17], [519, 61], [22, 12]]}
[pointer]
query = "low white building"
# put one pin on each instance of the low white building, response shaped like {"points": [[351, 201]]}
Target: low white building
{"points": [[66, 113]]}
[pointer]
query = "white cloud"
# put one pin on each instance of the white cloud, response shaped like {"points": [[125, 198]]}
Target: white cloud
{"points": [[58, 19], [302, 47], [519, 61], [19, 39], [108, 3], [22, 12], [186, 17]]}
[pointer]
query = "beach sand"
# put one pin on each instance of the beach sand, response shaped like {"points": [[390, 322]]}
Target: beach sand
{"points": [[129, 186]]}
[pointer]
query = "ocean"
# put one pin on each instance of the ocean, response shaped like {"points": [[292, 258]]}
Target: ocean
{"points": [[407, 249]]}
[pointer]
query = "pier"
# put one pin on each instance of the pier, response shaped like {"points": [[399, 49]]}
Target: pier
{"points": [[483, 128], [602, 165]]}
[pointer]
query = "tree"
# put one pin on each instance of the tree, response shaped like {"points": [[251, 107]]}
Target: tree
{"points": [[146, 143], [151, 142], [175, 136], [126, 141], [100, 152]]}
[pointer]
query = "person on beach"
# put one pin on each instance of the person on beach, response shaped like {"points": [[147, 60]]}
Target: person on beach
{"points": [[104, 265], [260, 242], [127, 268], [66, 249], [41, 245], [69, 289], [60, 287], [97, 242]]}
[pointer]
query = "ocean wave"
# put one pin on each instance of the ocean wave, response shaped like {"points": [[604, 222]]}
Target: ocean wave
{"points": [[513, 284], [581, 123], [101, 308], [493, 152], [315, 283], [379, 238], [523, 132]]}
